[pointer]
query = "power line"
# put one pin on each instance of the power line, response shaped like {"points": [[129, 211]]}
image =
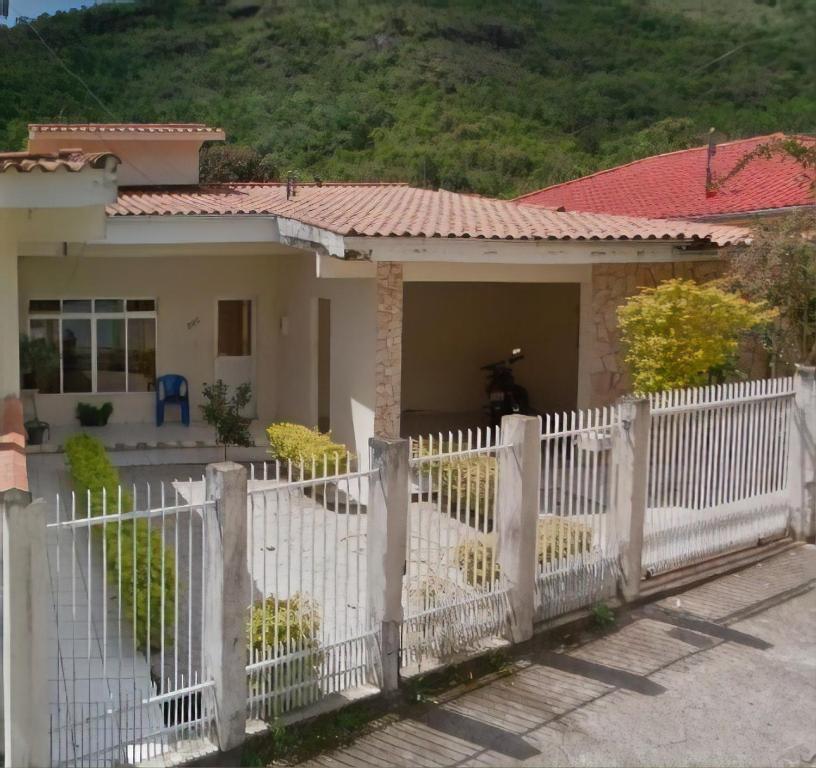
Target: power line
{"points": [[68, 69]]}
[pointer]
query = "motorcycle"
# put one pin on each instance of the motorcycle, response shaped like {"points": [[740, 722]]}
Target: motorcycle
{"points": [[505, 397]]}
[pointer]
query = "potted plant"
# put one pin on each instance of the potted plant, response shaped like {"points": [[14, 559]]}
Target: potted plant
{"points": [[39, 363], [92, 415]]}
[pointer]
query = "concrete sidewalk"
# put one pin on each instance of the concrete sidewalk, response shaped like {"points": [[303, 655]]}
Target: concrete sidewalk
{"points": [[723, 674]]}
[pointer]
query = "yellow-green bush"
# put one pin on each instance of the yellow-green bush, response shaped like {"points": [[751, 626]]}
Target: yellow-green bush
{"points": [[556, 538], [313, 450], [277, 627], [680, 334], [95, 478], [466, 484]]}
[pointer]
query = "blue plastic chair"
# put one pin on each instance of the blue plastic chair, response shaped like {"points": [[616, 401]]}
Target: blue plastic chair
{"points": [[172, 389]]}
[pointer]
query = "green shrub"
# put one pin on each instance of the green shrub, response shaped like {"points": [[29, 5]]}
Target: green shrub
{"points": [[309, 447], [94, 478], [277, 627], [557, 538], [93, 416], [465, 483]]}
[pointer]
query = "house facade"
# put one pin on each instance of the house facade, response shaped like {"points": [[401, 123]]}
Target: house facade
{"points": [[361, 308]]}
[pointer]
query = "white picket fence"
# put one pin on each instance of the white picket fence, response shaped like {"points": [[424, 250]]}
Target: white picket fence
{"points": [[577, 546], [333, 605], [717, 470], [454, 596], [311, 631], [126, 681]]}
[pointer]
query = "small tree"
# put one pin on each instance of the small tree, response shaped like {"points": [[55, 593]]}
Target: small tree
{"points": [[681, 334], [779, 268], [223, 412]]}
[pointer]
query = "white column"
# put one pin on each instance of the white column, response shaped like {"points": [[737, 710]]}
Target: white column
{"points": [[226, 599], [386, 541], [630, 461], [25, 631], [9, 310], [802, 456], [517, 507]]}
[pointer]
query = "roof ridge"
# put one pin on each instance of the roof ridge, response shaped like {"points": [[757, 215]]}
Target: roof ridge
{"points": [[776, 134]]}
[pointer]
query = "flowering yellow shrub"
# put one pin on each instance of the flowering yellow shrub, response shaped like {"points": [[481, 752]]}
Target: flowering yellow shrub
{"points": [[314, 449], [680, 333]]}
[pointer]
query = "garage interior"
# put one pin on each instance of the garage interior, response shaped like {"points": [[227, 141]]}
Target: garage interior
{"points": [[452, 329]]}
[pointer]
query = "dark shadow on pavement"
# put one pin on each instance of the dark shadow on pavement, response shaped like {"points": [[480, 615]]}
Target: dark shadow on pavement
{"points": [[706, 627], [487, 736], [620, 678]]}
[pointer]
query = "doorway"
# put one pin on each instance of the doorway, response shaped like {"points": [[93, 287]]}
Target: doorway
{"points": [[234, 355]]}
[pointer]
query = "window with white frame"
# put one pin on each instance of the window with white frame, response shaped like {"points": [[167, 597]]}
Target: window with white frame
{"points": [[104, 345]]}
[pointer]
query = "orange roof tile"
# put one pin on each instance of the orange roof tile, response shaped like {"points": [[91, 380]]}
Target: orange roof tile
{"points": [[397, 210], [86, 128], [673, 185], [72, 160]]}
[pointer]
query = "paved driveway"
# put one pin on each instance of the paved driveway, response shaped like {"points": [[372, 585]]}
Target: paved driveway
{"points": [[723, 675]]}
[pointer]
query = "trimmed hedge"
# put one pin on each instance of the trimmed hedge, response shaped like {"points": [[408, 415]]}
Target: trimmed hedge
{"points": [[296, 443], [92, 471]]}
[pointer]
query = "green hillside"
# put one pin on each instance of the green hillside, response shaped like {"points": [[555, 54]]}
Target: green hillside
{"points": [[487, 95]]}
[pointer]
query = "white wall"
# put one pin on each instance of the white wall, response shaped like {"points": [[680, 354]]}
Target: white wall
{"points": [[353, 339], [186, 288], [146, 160]]}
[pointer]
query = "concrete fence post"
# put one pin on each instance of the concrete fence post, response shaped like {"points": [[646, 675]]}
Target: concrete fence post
{"points": [[226, 598], [630, 461], [518, 499], [386, 538], [25, 631], [802, 455]]}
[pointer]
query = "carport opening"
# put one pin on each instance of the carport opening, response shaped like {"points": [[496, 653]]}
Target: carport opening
{"points": [[450, 330]]}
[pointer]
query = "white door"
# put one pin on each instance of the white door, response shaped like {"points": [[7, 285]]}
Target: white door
{"points": [[234, 355]]}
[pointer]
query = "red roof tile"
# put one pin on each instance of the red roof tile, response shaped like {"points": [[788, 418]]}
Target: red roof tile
{"points": [[397, 210], [65, 159], [86, 128], [674, 185]]}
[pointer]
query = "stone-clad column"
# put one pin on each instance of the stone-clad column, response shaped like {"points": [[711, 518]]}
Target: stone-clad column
{"points": [[388, 355]]}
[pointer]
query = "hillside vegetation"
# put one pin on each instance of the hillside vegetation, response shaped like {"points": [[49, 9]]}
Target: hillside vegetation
{"points": [[491, 96]]}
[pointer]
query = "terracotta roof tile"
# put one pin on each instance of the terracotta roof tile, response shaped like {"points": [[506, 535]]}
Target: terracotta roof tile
{"points": [[397, 210], [673, 185], [86, 128], [72, 160]]}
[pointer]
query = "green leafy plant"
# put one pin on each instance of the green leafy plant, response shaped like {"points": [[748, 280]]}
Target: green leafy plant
{"points": [[311, 452], [39, 364], [92, 415], [681, 334], [223, 412], [779, 268], [557, 538], [603, 617], [129, 545], [467, 484], [277, 627]]}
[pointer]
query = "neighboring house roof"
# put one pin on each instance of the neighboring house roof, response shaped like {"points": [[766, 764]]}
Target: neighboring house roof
{"points": [[674, 185], [72, 160], [122, 128], [397, 210]]}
